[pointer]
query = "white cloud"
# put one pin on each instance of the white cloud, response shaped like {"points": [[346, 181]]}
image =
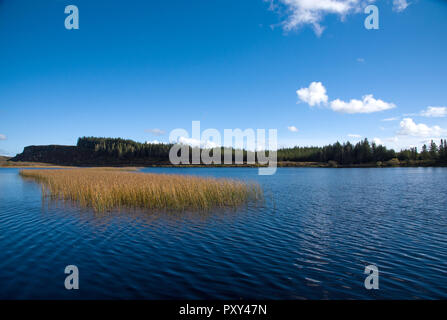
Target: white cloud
{"points": [[156, 131], [392, 139], [400, 5], [435, 112], [367, 105], [361, 60], [377, 141], [312, 12], [391, 119], [153, 142], [292, 129], [2, 137], [197, 143], [410, 128], [400, 142], [356, 136], [315, 94]]}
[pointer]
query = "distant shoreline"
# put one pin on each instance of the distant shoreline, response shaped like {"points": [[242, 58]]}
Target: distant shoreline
{"points": [[117, 152], [6, 163]]}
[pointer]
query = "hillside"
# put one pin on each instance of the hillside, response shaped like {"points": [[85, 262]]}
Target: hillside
{"points": [[3, 159], [76, 156]]}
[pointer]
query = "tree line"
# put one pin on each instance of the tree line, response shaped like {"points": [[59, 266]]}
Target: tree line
{"points": [[343, 153], [127, 149]]}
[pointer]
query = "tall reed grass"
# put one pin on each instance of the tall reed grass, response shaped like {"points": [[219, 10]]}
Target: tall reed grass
{"points": [[105, 190]]}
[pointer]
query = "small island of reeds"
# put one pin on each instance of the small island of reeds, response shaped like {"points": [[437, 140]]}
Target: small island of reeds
{"points": [[105, 190]]}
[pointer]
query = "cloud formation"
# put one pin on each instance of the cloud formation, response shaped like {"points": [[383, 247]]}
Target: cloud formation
{"points": [[434, 112], [292, 129], [367, 105], [2, 137], [315, 94], [156, 131], [377, 141], [391, 119], [400, 5], [410, 128], [197, 143], [312, 12], [356, 136], [153, 142]]}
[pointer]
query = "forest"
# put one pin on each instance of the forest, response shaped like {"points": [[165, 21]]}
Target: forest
{"points": [[346, 153]]}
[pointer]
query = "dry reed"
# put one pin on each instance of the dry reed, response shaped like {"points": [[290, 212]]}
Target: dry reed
{"points": [[111, 189]]}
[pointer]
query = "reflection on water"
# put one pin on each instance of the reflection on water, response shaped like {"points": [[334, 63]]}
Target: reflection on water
{"points": [[311, 238]]}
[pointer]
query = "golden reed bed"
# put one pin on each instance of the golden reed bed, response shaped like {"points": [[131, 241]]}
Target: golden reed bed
{"points": [[106, 189]]}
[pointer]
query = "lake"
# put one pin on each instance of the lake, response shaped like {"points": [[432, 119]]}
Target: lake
{"points": [[311, 238]]}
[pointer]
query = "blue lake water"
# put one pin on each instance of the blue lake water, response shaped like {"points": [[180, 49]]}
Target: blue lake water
{"points": [[311, 239]]}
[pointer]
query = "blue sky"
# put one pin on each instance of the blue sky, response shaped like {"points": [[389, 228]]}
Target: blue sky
{"points": [[136, 69]]}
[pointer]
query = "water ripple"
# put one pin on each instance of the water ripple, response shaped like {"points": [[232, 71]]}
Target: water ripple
{"points": [[311, 239]]}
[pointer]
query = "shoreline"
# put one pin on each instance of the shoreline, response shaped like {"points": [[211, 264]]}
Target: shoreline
{"points": [[281, 164]]}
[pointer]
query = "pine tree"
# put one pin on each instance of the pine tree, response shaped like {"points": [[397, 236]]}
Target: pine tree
{"points": [[433, 150], [443, 150], [424, 154]]}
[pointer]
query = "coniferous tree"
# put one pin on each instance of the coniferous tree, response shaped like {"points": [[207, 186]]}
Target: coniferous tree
{"points": [[433, 150], [424, 154], [345, 154]]}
